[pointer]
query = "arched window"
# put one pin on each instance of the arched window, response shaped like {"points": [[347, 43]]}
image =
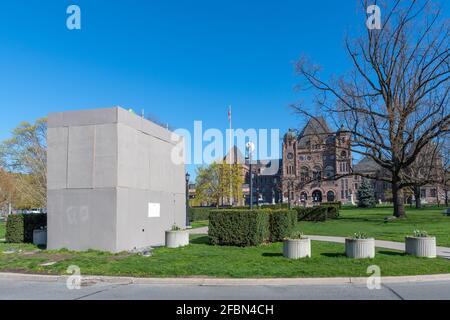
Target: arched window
{"points": [[304, 174], [330, 196], [303, 196], [317, 196]]}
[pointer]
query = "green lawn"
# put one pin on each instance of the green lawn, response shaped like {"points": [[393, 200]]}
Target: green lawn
{"points": [[199, 224], [371, 221], [201, 259]]}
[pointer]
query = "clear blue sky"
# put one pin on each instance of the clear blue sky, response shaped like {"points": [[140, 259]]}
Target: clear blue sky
{"points": [[179, 60]]}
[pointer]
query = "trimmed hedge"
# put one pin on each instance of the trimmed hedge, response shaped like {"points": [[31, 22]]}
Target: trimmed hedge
{"points": [[275, 206], [332, 212], [318, 214], [304, 214], [19, 227], [282, 223], [239, 227], [337, 204], [202, 213]]}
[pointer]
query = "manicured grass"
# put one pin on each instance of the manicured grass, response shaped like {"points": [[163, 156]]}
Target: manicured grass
{"points": [[199, 224], [202, 259], [371, 221]]}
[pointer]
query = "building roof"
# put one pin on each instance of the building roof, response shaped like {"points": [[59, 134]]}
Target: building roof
{"points": [[366, 165], [315, 126], [234, 156]]}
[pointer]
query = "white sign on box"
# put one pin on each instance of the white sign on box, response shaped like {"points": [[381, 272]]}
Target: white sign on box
{"points": [[154, 210]]}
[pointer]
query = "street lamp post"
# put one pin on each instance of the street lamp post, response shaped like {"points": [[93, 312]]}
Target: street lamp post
{"points": [[289, 195], [250, 148], [188, 222], [251, 181]]}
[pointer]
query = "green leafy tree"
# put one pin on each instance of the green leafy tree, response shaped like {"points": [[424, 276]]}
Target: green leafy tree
{"points": [[232, 179], [25, 155], [366, 195], [208, 184], [219, 183]]}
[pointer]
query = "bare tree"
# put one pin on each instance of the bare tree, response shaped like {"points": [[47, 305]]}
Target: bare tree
{"points": [[395, 99], [444, 175], [425, 170]]}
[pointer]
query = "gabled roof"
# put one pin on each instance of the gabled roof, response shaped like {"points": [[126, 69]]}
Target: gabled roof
{"points": [[315, 126], [235, 156], [366, 165]]}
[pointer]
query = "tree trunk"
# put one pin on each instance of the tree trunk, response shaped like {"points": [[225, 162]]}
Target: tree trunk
{"points": [[397, 197], [438, 200], [446, 197], [417, 196]]}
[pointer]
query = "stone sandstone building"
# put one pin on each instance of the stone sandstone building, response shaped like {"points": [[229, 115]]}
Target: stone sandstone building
{"points": [[311, 161]]}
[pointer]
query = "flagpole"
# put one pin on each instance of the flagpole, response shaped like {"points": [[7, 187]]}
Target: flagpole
{"points": [[231, 167]]}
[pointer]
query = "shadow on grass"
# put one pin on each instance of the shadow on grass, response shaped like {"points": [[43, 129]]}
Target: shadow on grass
{"points": [[272, 254], [200, 240], [392, 253], [333, 254]]}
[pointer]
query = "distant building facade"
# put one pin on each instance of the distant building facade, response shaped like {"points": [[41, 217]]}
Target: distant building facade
{"points": [[316, 167], [312, 160], [266, 184], [429, 194]]}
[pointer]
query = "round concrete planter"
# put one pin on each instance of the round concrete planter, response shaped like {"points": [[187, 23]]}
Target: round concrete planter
{"points": [[40, 237], [421, 247], [297, 248], [360, 248], [177, 239]]}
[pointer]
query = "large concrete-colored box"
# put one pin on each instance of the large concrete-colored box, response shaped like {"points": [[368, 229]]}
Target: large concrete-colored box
{"points": [[112, 182]]}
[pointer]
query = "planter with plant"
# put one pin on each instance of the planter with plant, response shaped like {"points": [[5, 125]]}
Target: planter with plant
{"points": [[177, 237], [296, 246], [360, 246], [421, 245]]}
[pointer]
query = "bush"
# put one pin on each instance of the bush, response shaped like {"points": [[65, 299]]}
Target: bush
{"points": [[239, 227], [332, 212], [19, 227], [282, 224], [318, 214], [337, 204], [333, 209], [275, 206]]}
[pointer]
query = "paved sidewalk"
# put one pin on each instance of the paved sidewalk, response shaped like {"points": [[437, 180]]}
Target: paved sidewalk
{"points": [[441, 251], [203, 230], [26, 287]]}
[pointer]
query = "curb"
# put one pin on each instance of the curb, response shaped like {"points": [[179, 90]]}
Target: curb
{"points": [[224, 282]]}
